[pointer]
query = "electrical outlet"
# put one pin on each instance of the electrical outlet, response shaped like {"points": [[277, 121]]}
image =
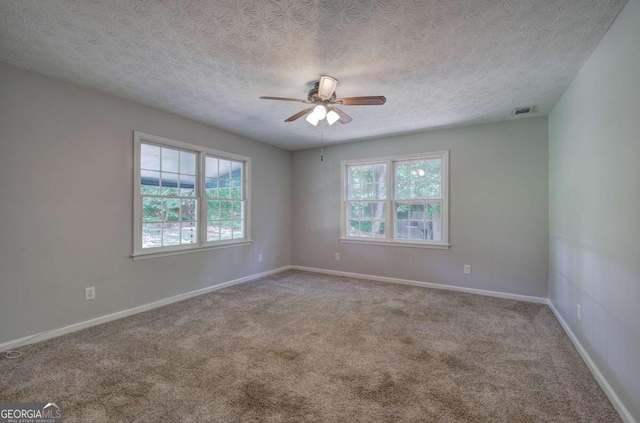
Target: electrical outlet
{"points": [[467, 269], [579, 312], [90, 293], [259, 258], [337, 256]]}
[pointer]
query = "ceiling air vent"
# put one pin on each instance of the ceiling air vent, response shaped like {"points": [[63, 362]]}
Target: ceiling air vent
{"points": [[526, 110]]}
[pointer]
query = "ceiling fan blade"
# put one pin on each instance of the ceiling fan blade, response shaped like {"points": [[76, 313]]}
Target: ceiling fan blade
{"points": [[344, 118], [375, 100], [326, 86], [299, 114], [284, 99]]}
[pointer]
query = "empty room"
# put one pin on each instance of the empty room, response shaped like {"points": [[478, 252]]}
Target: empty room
{"points": [[319, 211]]}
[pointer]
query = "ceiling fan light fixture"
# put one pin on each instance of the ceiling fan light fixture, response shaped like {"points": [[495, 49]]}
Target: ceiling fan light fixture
{"points": [[332, 117], [312, 118], [320, 111]]}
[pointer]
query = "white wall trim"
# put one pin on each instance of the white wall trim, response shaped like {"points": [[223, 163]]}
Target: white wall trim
{"points": [[597, 374], [131, 311], [527, 298]]}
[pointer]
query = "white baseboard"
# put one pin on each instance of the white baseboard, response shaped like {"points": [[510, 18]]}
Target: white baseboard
{"points": [[527, 298], [597, 374], [124, 313]]}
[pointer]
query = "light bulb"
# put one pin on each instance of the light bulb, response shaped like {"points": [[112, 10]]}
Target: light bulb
{"points": [[421, 172], [312, 118], [320, 111], [332, 117]]}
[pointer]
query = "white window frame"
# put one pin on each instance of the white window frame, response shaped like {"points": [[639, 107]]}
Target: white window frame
{"points": [[390, 201], [201, 153]]}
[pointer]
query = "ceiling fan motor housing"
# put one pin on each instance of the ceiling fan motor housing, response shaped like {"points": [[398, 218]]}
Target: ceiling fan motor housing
{"points": [[313, 95]]}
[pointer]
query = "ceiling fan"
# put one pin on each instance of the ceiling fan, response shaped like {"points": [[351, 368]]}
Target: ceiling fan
{"points": [[323, 97]]}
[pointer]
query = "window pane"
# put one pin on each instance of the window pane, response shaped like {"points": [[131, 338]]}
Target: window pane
{"points": [[418, 189], [434, 214], [224, 169], [354, 228], [403, 190], [416, 212], [170, 159], [213, 231], [236, 173], [187, 163], [378, 211], [226, 230], [403, 172], [211, 188], [189, 233], [353, 174], [151, 235], [371, 228], [170, 234], [238, 229], [402, 229], [366, 210], [367, 192], [187, 186], [354, 210], [434, 169], [236, 210], [379, 173], [149, 182], [152, 210], [420, 230], [355, 192], [189, 210], [417, 170], [402, 211], [380, 191], [366, 174], [224, 188], [169, 183], [225, 210], [171, 209], [211, 167], [433, 190], [149, 157], [421, 221], [213, 210]]}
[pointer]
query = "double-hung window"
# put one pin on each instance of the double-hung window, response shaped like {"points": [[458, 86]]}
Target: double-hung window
{"points": [[187, 197], [396, 200]]}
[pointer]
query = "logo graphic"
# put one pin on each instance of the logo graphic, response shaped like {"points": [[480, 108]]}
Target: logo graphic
{"points": [[31, 412]]}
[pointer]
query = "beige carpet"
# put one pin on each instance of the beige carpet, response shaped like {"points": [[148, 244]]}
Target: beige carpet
{"points": [[300, 346]]}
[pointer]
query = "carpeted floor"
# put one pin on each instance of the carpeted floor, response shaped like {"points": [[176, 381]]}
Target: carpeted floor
{"points": [[300, 346]]}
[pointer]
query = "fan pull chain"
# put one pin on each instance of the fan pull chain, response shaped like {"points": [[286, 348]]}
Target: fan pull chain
{"points": [[321, 146]]}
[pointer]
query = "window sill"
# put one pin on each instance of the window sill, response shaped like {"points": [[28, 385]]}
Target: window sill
{"points": [[395, 243], [143, 256]]}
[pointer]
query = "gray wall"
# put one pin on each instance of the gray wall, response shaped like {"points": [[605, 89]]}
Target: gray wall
{"points": [[66, 157], [594, 182], [498, 209]]}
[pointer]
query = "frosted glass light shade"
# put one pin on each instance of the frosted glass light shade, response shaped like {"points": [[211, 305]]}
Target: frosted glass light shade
{"points": [[332, 117], [320, 111], [312, 118]]}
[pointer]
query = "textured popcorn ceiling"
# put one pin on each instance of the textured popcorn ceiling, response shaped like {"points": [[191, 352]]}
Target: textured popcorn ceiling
{"points": [[438, 62]]}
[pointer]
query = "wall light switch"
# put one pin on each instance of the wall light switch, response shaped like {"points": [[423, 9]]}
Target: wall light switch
{"points": [[259, 258], [90, 293], [467, 269], [337, 256]]}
